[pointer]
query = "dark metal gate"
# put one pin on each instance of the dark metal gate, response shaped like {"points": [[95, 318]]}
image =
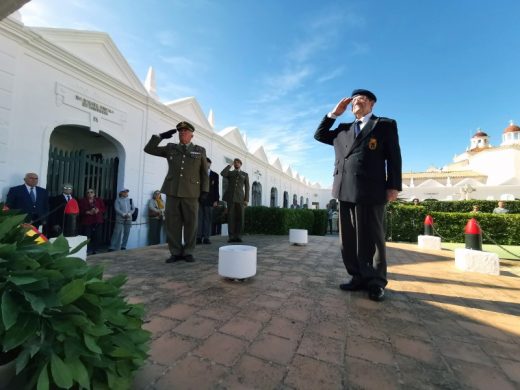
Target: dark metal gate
{"points": [[85, 171]]}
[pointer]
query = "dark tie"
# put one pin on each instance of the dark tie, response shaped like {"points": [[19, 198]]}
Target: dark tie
{"points": [[358, 127], [68, 198], [32, 195]]}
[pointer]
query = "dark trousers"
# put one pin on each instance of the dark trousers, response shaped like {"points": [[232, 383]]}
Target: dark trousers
{"points": [[154, 230], [363, 242], [235, 219], [204, 227], [181, 213], [93, 233]]}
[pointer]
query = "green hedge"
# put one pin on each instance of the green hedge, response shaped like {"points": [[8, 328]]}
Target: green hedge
{"points": [[278, 221], [405, 223], [464, 206]]}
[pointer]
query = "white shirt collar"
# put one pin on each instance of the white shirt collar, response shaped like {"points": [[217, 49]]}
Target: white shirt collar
{"points": [[365, 118]]}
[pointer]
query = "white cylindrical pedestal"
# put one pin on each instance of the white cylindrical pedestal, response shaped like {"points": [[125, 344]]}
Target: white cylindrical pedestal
{"points": [[237, 261], [224, 230], [477, 261], [429, 242], [298, 236], [73, 243]]}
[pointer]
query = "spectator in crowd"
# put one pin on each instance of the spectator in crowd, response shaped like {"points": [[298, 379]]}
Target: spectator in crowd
{"points": [[124, 209], [56, 220], [91, 209], [367, 175], [500, 209], [155, 218], [329, 218], [187, 181], [415, 202], [476, 209], [206, 207], [237, 198], [30, 199]]}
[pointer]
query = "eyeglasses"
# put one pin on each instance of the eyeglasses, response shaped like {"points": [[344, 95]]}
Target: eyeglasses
{"points": [[67, 188], [32, 178]]}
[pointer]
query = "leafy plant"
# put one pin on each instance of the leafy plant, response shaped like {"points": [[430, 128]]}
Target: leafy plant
{"points": [[71, 326]]}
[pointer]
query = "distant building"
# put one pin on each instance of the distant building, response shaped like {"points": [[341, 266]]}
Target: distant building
{"points": [[72, 110], [481, 172]]}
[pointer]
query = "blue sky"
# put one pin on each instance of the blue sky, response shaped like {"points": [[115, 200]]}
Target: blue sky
{"points": [[273, 68]]}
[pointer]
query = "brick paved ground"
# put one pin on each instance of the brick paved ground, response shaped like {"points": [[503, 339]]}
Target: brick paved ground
{"points": [[290, 327]]}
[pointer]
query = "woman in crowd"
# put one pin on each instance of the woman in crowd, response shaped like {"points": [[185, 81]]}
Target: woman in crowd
{"points": [[155, 218], [91, 209]]}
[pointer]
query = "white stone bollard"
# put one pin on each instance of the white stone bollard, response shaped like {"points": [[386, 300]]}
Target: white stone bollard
{"points": [[477, 261], [224, 230], [74, 242], [237, 261], [429, 242], [298, 236]]}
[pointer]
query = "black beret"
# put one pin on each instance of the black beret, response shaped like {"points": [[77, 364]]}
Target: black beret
{"points": [[185, 125], [364, 92]]}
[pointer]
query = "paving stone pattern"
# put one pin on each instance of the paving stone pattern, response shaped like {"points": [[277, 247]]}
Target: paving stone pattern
{"points": [[290, 327]]}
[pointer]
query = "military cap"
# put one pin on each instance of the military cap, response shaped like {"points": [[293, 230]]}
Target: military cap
{"points": [[364, 92], [237, 159], [185, 125]]}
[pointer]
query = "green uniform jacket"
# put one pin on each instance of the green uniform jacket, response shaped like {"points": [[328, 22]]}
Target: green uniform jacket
{"points": [[238, 185], [187, 172]]}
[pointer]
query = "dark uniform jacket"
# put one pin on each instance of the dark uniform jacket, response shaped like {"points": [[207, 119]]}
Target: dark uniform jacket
{"points": [[187, 172], [214, 192], [367, 165], [238, 185]]}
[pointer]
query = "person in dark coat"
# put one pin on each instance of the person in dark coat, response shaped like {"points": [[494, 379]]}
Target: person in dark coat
{"points": [[56, 221], [30, 199], [186, 183], [367, 174], [237, 198], [206, 207]]}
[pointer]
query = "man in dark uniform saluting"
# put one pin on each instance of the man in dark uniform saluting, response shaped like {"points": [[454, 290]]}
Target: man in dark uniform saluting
{"points": [[367, 174], [187, 181]]}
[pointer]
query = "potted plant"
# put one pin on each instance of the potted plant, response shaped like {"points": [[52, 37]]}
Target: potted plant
{"points": [[68, 326]]}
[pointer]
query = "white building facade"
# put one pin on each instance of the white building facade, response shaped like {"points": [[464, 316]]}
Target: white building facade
{"points": [[481, 172], [68, 95]]}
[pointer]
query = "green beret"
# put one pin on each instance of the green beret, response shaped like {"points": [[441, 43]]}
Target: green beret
{"points": [[185, 125]]}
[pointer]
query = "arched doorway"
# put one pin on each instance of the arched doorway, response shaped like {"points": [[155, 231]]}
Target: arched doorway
{"points": [[285, 199], [256, 194], [86, 160], [274, 197]]}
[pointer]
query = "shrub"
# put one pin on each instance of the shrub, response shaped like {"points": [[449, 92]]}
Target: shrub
{"points": [[72, 327]]}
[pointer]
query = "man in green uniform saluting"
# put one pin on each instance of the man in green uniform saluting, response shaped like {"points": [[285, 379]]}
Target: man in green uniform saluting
{"points": [[187, 181]]}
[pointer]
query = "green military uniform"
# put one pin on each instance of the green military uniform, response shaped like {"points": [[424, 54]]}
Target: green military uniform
{"points": [[236, 194], [187, 177]]}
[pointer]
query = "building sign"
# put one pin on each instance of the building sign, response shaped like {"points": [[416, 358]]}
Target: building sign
{"points": [[98, 111]]}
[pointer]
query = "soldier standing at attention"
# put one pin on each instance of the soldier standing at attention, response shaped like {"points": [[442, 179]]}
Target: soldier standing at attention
{"points": [[187, 181], [237, 197]]}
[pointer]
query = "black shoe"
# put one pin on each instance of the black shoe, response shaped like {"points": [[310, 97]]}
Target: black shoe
{"points": [[123, 248], [189, 258], [199, 241], [174, 258], [110, 250], [376, 293], [206, 241], [231, 240], [238, 240], [354, 285]]}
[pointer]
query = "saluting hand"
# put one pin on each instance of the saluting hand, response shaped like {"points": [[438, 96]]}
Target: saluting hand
{"points": [[341, 106]]}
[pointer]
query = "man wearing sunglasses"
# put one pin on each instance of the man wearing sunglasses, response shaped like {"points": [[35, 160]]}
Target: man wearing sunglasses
{"points": [[367, 175], [57, 209]]}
